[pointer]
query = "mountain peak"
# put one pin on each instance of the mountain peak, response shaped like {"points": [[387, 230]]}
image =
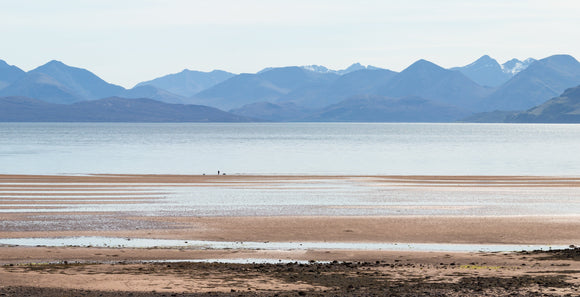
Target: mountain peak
{"points": [[423, 65], [7, 67], [55, 63], [80, 83], [9, 74], [515, 66], [423, 62], [564, 59], [485, 71], [352, 68], [317, 68], [485, 58], [484, 61]]}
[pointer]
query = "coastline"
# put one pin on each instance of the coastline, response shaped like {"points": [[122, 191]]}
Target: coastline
{"points": [[118, 271]]}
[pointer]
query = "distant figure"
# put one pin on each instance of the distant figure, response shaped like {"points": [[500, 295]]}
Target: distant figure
{"points": [[218, 172]]}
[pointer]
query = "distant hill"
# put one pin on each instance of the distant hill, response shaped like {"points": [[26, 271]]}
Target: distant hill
{"points": [[497, 116], [280, 112], [22, 109], [485, 71], [114, 109], [59, 83], [427, 80], [187, 82], [266, 86], [542, 80], [152, 92], [562, 109], [9, 74], [384, 109]]}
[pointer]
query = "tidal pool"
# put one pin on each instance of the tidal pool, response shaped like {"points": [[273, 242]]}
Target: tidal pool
{"points": [[119, 242]]}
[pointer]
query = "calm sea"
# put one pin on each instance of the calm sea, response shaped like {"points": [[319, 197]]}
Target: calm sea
{"points": [[290, 148]]}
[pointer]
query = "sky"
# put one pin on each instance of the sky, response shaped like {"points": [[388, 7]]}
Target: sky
{"points": [[129, 41]]}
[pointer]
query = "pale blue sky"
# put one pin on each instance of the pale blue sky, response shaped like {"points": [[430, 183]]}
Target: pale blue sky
{"points": [[126, 42]]}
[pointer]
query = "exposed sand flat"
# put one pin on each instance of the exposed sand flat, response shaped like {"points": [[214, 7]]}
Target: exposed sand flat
{"points": [[333, 228], [120, 271], [467, 230]]}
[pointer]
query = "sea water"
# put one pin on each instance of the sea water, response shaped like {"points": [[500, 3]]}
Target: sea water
{"points": [[290, 148]]}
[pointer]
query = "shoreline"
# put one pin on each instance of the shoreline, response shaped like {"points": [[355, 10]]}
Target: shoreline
{"points": [[323, 271], [123, 272]]}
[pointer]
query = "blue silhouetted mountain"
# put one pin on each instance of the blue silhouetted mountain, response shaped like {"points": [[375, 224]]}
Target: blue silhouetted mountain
{"points": [[41, 86], [9, 74], [384, 109], [515, 66], [485, 71], [542, 80], [23, 109], [58, 83], [497, 116], [266, 86], [280, 112], [352, 68], [187, 82], [427, 80], [562, 109], [114, 109], [360, 82], [152, 92], [349, 69]]}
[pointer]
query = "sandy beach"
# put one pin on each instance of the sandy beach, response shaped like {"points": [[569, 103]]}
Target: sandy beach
{"points": [[27, 200]]}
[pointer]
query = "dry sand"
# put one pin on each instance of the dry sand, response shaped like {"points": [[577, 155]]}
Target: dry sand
{"points": [[371, 273]]}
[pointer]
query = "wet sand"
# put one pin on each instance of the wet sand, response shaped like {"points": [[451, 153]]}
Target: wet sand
{"points": [[117, 271], [30, 195], [459, 230]]}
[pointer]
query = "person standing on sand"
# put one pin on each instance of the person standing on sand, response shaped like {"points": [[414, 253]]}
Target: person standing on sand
{"points": [[218, 172]]}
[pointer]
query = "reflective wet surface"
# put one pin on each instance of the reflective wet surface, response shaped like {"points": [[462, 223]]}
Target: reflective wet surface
{"points": [[161, 243]]}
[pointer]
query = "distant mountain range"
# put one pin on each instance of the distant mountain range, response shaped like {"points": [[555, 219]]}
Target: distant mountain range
{"points": [[480, 91], [187, 82], [270, 86], [542, 80], [427, 80], [486, 71]]}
